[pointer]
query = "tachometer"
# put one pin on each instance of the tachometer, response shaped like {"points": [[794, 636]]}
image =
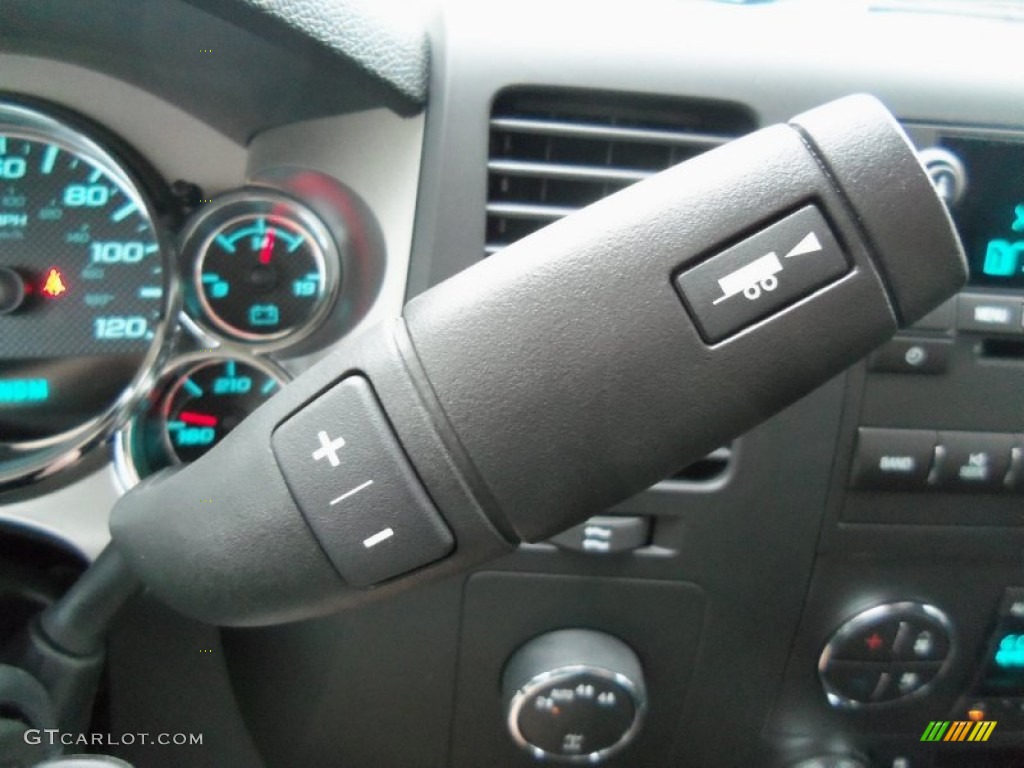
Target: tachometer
{"points": [[84, 291]]}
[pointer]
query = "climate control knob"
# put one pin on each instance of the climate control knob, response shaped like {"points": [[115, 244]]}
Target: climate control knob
{"points": [[574, 696], [886, 654]]}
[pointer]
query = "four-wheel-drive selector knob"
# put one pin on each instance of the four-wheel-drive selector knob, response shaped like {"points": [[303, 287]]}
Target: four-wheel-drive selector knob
{"points": [[574, 695]]}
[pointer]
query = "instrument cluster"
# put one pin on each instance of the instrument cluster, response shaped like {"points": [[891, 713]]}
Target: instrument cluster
{"points": [[144, 313]]}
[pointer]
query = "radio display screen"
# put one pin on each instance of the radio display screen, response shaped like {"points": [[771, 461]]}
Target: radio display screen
{"points": [[990, 216], [1003, 674]]}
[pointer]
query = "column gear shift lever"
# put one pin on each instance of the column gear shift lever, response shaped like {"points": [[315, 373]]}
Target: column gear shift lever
{"points": [[558, 377]]}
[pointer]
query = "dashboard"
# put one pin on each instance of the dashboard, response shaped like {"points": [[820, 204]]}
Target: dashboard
{"points": [[200, 200]]}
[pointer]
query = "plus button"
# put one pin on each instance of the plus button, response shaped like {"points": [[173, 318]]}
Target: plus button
{"points": [[328, 448]]}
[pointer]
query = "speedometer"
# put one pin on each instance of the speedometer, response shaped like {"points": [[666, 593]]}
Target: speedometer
{"points": [[84, 290]]}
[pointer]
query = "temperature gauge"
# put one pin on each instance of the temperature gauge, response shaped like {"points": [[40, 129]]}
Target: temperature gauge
{"points": [[197, 401], [265, 270], [210, 399]]}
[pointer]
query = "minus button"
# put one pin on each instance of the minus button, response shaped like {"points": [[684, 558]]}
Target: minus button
{"points": [[377, 538]]}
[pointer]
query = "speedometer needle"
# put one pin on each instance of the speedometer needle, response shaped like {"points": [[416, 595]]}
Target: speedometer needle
{"points": [[198, 419], [268, 246]]}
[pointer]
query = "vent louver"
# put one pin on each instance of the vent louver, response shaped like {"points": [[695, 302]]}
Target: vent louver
{"points": [[555, 151], [552, 152]]}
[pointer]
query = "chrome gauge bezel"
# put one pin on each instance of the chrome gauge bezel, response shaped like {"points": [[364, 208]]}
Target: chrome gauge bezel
{"points": [[125, 466], [30, 461], [223, 212]]}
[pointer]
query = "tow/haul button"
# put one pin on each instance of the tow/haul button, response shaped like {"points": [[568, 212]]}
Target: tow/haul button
{"points": [[761, 275]]}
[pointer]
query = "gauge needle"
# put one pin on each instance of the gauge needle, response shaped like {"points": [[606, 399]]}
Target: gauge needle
{"points": [[198, 419], [268, 246]]}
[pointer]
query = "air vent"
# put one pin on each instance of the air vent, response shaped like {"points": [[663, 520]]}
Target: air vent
{"points": [[552, 152], [555, 151]]}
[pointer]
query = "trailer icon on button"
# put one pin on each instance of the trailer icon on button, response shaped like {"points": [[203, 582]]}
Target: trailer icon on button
{"points": [[754, 270], [749, 280]]}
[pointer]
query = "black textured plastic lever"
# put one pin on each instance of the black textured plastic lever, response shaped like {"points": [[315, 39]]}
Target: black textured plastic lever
{"points": [[558, 377]]}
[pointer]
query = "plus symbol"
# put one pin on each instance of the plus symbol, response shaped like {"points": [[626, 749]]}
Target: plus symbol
{"points": [[874, 642], [328, 448]]}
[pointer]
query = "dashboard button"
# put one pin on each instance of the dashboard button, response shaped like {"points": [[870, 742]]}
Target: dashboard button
{"points": [[921, 640], [893, 459], [973, 461], [928, 356], [947, 173], [902, 680], [1015, 476], [605, 534], [761, 275], [984, 313], [1012, 604], [868, 641], [356, 488]]}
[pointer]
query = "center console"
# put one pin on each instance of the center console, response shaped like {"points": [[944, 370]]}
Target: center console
{"points": [[907, 653]]}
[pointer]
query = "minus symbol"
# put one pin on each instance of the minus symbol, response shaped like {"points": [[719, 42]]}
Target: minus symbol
{"points": [[377, 538]]}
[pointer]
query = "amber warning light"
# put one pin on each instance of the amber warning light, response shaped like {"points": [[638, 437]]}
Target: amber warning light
{"points": [[54, 286]]}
